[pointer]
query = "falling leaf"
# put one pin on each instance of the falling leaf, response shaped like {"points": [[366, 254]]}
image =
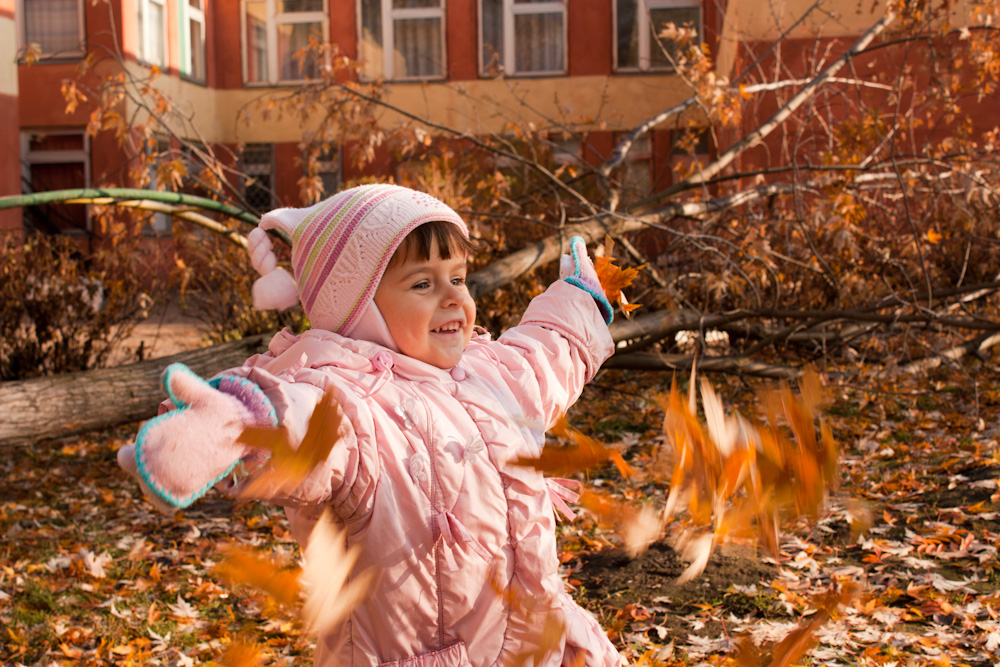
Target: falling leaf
{"points": [[638, 527], [540, 644], [242, 654], [696, 550], [244, 566], [933, 237], [742, 479], [289, 465], [332, 590], [797, 642], [644, 528], [582, 454]]}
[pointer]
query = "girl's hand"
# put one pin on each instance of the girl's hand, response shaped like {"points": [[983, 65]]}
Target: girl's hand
{"points": [[577, 269], [179, 455]]}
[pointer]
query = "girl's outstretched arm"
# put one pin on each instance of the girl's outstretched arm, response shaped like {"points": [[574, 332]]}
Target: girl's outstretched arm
{"points": [[560, 343]]}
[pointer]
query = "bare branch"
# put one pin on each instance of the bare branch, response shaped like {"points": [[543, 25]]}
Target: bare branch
{"points": [[754, 137]]}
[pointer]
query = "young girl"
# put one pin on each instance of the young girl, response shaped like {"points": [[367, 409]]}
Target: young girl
{"points": [[433, 413]]}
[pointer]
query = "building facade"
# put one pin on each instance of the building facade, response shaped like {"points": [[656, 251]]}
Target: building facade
{"points": [[468, 64]]}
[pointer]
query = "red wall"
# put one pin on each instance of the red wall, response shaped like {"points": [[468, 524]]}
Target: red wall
{"points": [[10, 169], [589, 37], [841, 101], [462, 40], [225, 66]]}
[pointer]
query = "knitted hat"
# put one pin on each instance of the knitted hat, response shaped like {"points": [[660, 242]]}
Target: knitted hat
{"points": [[340, 249]]}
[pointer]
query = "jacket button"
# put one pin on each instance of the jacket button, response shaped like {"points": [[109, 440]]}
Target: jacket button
{"points": [[457, 374]]}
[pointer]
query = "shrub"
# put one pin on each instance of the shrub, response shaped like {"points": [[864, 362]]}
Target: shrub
{"points": [[215, 278], [61, 312]]}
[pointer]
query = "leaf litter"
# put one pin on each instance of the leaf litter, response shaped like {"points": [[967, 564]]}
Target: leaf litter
{"points": [[899, 566]]}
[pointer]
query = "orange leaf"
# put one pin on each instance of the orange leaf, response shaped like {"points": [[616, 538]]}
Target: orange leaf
{"points": [[332, 587], [288, 465], [240, 654], [638, 527], [624, 469], [740, 478], [243, 566], [613, 278], [583, 454], [607, 510]]}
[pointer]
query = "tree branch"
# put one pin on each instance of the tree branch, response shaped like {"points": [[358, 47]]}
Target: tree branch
{"points": [[751, 139]]}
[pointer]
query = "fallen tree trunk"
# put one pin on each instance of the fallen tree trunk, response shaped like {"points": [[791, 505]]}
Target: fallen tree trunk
{"points": [[648, 361], [73, 403]]}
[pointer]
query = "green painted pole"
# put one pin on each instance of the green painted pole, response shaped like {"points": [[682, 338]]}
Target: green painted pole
{"points": [[126, 194]]}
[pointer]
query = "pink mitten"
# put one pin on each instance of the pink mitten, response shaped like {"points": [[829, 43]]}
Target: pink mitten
{"points": [[181, 454], [577, 269]]}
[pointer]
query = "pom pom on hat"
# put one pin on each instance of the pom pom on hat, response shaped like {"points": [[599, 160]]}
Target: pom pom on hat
{"points": [[275, 289]]}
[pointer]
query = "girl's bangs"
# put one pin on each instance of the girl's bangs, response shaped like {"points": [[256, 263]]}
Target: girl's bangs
{"points": [[418, 243]]}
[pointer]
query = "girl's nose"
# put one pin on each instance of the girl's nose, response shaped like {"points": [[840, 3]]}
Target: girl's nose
{"points": [[452, 296]]}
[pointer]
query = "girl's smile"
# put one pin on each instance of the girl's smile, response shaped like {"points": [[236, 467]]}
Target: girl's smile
{"points": [[427, 307]]}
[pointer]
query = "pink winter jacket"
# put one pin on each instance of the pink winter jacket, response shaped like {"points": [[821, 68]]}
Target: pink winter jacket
{"points": [[419, 480]]}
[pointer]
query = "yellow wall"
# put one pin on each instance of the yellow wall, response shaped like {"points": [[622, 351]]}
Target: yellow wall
{"points": [[477, 107], [8, 49]]}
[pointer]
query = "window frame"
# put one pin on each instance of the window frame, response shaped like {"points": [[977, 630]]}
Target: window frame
{"points": [[389, 16], [145, 29], [187, 13], [645, 34], [255, 169], [640, 156], [23, 42], [31, 157], [275, 19], [511, 9], [160, 224], [334, 164]]}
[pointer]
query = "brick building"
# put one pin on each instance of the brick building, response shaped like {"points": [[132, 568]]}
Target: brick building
{"points": [[592, 57], [440, 58]]}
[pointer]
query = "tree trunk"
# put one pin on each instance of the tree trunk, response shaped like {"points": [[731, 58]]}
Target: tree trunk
{"points": [[73, 403]]}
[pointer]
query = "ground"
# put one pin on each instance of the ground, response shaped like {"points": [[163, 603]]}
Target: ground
{"points": [[90, 574]]}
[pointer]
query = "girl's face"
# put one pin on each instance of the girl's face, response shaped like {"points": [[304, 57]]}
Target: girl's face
{"points": [[427, 307]]}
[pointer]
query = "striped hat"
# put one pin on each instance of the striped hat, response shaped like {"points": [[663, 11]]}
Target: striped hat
{"points": [[340, 249]]}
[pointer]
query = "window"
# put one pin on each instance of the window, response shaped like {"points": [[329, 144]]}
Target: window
{"points": [[329, 171], [152, 31], [414, 30], [522, 37], [689, 152], [636, 176], [192, 20], [55, 27], [273, 31], [566, 152], [57, 160], [158, 224], [638, 24], [258, 164]]}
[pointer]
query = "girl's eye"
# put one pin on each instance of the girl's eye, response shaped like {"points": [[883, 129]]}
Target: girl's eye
{"points": [[423, 284], [458, 281]]}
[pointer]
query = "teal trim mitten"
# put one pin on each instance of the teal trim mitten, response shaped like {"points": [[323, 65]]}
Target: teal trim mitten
{"points": [[183, 453], [579, 271]]}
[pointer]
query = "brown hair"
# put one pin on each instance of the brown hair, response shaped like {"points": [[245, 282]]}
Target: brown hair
{"points": [[418, 243]]}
